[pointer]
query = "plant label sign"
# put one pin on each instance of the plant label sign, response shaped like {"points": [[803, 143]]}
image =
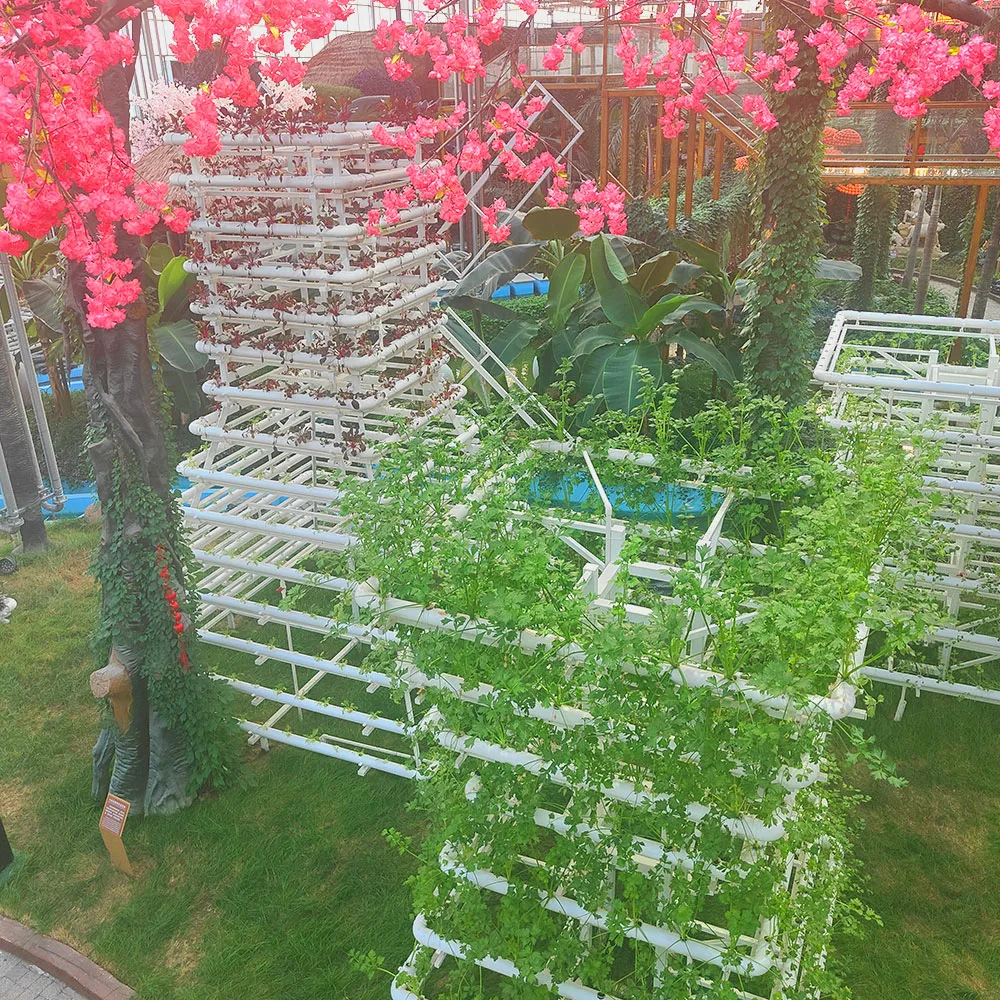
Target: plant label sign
{"points": [[112, 826]]}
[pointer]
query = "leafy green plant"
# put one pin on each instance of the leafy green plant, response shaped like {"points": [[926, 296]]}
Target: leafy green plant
{"points": [[822, 537]]}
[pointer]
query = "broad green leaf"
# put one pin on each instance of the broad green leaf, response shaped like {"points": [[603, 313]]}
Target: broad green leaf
{"points": [[564, 288], [508, 344], [594, 337], [655, 272], [837, 270], [545, 223], [44, 298], [158, 257], [705, 256], [173, 280], [487, 307], [185, 388], [684, 273], [498, 268], [656, 314], [707, 352], [175, 345], [620, 302], [616, 373]]}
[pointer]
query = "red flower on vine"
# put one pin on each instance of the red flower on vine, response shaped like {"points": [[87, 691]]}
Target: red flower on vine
{"points": [[170, 596]]}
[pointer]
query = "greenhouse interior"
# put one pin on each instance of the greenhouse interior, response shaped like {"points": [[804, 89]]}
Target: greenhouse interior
{"points": [[500, 500]]}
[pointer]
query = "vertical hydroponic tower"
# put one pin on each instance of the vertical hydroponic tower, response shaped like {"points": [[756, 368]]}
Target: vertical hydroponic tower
{"points": [[328, 346]]}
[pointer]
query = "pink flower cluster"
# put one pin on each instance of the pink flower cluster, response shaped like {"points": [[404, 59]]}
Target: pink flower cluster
{"points": [[598, 208]]}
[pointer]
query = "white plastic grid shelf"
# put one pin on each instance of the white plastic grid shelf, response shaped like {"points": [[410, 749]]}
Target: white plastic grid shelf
{"points": [[938, 379]]}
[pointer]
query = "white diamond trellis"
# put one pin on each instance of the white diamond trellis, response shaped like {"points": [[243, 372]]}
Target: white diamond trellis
{"points": [[938, 378]]}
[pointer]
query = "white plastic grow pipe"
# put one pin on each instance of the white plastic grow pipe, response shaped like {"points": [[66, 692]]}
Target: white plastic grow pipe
{"points": [[947, 390], [340, 183], [349, 134], [319, 275], [651, 934], [920, 682], [838, 704], [647, 853], [287, 230], [345, 320], [363, 719], [362, 760], [358, 404], [428, 939], [316, 493], [747, 827], [328, 539], [293, 658]]}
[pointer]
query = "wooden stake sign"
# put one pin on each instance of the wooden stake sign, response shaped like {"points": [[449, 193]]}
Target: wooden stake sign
{"points": [[112, 826]]}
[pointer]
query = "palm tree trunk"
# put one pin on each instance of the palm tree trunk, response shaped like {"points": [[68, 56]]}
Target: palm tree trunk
{"points": [[918, 223], [19, 454], [930, 239], [989, 268]]}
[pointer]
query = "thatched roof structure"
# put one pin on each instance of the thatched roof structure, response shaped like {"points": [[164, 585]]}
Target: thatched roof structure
{"points": [[158, 165], [342, 58]]}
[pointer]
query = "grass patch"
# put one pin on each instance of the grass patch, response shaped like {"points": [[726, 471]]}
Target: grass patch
{"points": [[259, 892], [262, 891]]}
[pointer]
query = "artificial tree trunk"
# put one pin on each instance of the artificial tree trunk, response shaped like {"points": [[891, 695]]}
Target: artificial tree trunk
{"points": [[989, 268], [19, 455], [930, 239], [144, 761], [778, 325]]}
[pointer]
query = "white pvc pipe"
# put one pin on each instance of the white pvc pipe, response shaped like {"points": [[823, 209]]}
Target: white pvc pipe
{"points": [[619, 790], [919, 682], [328, 539], [651, 934], [358, 404], [290, 231], [291, 657], [345, 320], [362, 760], [428, 939], [363, 719], [319, 275]]}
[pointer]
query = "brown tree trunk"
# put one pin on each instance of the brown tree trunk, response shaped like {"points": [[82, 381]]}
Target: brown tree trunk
{"points": [[19, 454], [989, 268], [146, 763], [930, 238]]}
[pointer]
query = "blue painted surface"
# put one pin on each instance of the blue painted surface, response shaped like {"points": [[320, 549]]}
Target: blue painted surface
{"points": [[81, 497], [522, 289], [75, 380], [578, 492]]}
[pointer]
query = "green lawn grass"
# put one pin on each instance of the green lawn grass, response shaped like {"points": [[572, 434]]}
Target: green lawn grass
{"points": [[262, 891]]}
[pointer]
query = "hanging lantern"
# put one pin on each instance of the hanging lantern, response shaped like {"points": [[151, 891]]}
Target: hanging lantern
{"points": [[742, 163], [829, 134], [853, 189]]}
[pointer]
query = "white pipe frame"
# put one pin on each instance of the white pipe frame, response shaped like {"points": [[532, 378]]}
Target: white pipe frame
{"points": [[265, 501], [917, 391]]}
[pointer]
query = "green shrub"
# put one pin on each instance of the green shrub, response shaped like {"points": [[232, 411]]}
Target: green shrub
{"points": [[893, 298], [69, 435]]}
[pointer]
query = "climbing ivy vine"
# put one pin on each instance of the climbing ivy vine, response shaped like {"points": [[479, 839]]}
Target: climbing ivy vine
{"points": [[790, 211]]}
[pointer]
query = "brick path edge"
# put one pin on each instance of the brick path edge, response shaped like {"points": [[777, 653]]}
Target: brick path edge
{"points": [[61, 962]]}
